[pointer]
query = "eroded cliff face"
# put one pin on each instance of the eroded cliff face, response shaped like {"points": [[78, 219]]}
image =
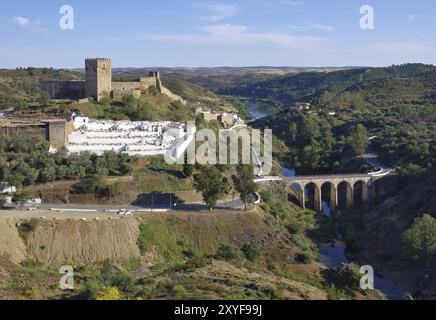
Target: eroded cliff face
{"points": [[57, 243], [12, 247]]}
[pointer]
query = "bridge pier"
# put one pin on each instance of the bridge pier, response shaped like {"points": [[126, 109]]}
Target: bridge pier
{"points": [[365, 193], [334, 200], [318, 199], [302, 198], [349, 197]]}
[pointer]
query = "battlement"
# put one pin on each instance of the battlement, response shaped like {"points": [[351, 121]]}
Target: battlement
{"points": [[97, 59]]}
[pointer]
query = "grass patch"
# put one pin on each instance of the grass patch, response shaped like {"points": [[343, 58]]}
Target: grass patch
{"points": [[165, 238]]}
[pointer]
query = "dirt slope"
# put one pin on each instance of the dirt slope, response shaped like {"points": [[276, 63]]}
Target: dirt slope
{"points": [[58, 243], [12, 247]]}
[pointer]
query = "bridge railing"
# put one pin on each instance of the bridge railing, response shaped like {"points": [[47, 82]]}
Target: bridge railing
{"points": [[327, 177]]}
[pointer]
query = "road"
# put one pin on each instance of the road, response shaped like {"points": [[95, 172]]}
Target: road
{"points": [[372, 158], [91, 208]]}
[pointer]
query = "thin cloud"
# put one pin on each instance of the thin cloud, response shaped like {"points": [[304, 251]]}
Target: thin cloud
{"points": [[292, 3], [223, 34], [22, 22], [219, 11], [26, 23], [412, 17], [317, 26]]}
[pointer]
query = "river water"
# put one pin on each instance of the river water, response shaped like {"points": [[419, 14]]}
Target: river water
{"points": [[256, 110]]}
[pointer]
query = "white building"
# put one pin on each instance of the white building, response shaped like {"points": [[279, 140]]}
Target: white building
{"points": [[6, 188], [143, 138]]}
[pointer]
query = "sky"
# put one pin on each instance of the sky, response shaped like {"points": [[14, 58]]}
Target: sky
{"points": [[196, 33]]}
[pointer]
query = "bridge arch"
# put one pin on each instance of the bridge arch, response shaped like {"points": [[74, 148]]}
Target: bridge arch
{"points": [[360, 192], [345, 191], [329, 193], [312, 191]]}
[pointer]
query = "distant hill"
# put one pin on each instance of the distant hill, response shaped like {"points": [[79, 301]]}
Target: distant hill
{"points": [[219, 78], [409, 83]]}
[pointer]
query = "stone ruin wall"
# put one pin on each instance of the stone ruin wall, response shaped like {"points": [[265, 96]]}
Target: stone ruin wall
{"points": [[64, 89]]}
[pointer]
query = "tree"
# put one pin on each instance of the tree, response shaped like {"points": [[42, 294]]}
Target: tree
{"points": [[2, 201], [188, 170], [359, 140], [210, 182], [293, 132], [421, 238], [20, 199], [243, 183], [20, 173]]}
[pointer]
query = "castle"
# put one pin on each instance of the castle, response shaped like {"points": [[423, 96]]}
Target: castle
{"points": [[98, 84]]}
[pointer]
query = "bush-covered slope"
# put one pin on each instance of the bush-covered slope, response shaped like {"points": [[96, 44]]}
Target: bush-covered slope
{"points": [[409, 83]]}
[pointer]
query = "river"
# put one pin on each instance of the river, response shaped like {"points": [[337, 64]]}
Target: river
{"points": [[256, 110]]}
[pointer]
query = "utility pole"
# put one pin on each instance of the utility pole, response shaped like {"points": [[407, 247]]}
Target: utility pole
{"points": [[110, 198], [51, 192]]}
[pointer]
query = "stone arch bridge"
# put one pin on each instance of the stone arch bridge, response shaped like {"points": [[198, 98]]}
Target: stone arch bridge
{"points": [[364, 183]]}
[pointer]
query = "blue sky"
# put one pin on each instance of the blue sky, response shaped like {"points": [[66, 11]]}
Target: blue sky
{"points": [[145, 33]]}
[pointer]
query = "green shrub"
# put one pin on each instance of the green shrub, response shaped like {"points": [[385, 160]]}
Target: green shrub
{"points": [[147, 292], [178, 291], [133, 264], [251, 251], [28, 226], [122, 280], [305, 258], [267, 196], [230, 252], [334, 293], [92, 288]]}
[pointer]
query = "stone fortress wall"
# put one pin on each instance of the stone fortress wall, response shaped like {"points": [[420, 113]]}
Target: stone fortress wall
{"points": [[136, 88], [98, 84], [55, 131], [64, 89]]}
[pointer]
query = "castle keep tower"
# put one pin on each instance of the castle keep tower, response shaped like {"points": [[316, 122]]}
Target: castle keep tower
{"points": [[98, 78]]}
